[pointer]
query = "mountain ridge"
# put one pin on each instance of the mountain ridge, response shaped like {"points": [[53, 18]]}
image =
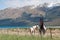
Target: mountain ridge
{"points": [[27, 16]]}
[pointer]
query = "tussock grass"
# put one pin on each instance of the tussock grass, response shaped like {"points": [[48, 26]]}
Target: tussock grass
{"points": [[26, 37]]}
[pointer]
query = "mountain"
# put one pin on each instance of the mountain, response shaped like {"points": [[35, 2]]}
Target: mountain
{"points": [[30, 15], [17, 12]]}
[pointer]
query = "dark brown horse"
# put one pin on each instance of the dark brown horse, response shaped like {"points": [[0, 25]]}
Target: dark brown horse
{"points": [[42, 28]]}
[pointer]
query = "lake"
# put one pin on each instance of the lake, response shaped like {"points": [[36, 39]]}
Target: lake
{"points": [[15, 26], [27, 26]]}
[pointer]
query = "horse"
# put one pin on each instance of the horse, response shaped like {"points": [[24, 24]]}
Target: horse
{"points": [[33, 29], [37, 27], [42, 30]]}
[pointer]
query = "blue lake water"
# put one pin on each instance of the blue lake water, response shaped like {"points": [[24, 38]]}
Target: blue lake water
{"points": [[15, 26], [26, 26]]}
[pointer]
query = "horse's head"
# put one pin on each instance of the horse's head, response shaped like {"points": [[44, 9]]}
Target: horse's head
{"points": [[37, 27]]}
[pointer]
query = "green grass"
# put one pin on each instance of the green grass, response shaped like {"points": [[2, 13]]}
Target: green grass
{"points": [[16, 37]]}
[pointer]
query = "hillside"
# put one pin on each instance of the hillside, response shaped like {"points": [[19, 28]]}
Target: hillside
{"points": [[30, 15]]}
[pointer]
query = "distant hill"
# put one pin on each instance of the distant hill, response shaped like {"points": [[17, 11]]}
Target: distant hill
{"points": [[30, 15]]}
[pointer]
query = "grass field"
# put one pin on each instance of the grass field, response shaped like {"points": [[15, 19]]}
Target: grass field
{"points": [[13, 34], [16, 37]]}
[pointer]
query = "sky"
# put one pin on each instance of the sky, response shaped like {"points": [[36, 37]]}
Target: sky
{"points": [[21, 3]]}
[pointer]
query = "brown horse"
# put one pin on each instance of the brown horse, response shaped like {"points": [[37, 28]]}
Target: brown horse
{"points": [[42, 28]]}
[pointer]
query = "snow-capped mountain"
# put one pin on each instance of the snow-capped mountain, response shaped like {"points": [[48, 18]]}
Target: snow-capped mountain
{"points": [[53, 4], [48, 5]]}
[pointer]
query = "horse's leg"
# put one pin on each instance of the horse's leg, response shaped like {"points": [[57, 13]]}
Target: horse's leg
{"points": [[44, 32], [34, 32], [30, 31], [40, 31]]}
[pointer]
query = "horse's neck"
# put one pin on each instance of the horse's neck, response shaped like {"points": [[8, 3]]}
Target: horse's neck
{"points": [[44, 27], [41, 27]]}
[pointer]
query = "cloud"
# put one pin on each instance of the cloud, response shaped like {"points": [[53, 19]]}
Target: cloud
{"points": [[20, 3], [12, 3]]}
